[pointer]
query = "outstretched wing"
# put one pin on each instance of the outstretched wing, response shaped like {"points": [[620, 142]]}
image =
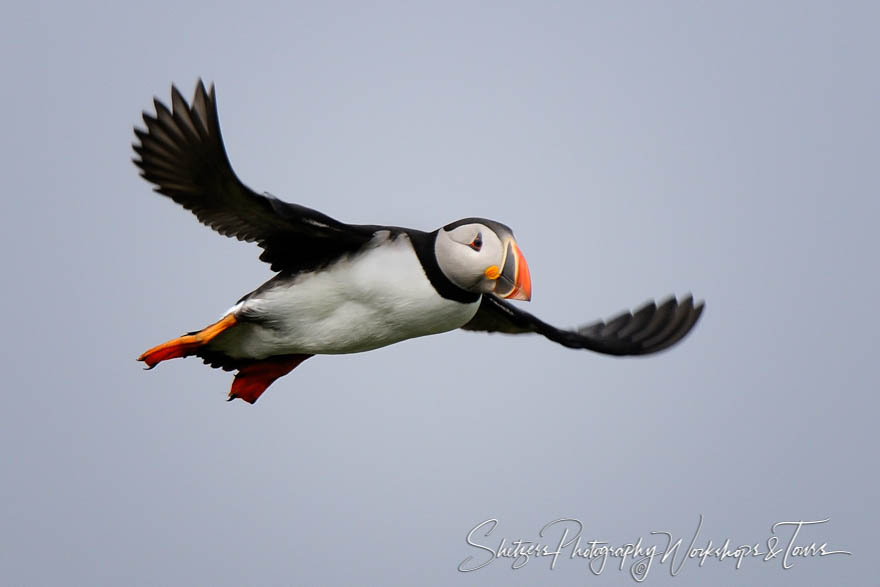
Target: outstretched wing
{"points": [[649, 329], [182, 153]]}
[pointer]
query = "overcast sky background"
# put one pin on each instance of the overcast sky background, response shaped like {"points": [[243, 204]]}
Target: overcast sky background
{"points": [[637, 150]]}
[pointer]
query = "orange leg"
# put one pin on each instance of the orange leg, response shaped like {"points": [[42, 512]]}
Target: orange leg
{"points": [[252, 380], [187, 344]]}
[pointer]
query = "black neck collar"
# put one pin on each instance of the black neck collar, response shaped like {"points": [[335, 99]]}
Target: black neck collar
{"points": [[423, 243]]}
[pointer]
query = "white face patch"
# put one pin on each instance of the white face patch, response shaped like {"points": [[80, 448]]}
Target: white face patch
{"points": [[466, 252]]}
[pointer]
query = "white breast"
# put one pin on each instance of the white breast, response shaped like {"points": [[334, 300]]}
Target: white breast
{"points": [[374, 299]]}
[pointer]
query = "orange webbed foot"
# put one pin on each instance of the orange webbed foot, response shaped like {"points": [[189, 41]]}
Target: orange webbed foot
{"points": [[252, 380], [187, 344]]}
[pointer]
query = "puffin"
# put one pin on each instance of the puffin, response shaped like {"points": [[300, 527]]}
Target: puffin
{"points": [[348, 288]]}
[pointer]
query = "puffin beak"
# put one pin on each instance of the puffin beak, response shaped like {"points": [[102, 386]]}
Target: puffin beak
{"points": [[514, 283]]}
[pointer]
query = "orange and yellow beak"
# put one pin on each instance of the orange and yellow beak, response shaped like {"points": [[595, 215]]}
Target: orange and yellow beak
{"points": [[514, 282]]}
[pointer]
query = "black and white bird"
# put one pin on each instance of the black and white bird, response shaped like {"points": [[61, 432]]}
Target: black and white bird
{"points": [[347, 288]]}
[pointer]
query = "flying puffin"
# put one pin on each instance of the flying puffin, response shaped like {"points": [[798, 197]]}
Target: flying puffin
{"points": [[347, 288]]}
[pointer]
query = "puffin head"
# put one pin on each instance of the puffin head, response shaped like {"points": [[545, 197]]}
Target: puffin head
{"points": [[481, 256]]}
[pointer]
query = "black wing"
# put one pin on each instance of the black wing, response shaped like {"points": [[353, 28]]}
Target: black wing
{"points": [[182, 153], [649, 329]]}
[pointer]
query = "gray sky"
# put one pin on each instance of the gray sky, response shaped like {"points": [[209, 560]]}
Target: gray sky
{"points": [[637, 150]]}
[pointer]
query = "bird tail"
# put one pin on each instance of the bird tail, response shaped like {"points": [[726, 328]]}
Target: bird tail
{"points": [[188, 344]]}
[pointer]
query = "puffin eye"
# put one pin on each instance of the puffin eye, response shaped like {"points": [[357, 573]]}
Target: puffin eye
{"points": [[477, 243]]}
